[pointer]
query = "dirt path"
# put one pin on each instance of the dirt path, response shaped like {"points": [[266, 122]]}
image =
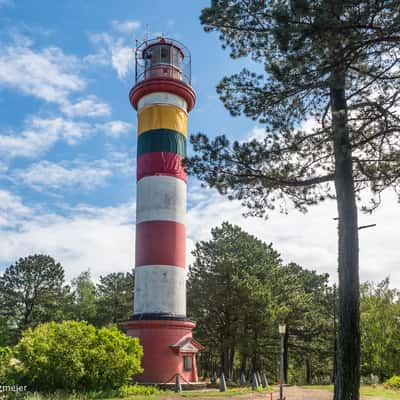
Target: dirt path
{"points": [[299, 393]]}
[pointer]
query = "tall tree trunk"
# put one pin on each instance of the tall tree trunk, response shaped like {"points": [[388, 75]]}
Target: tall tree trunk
{"points": [[231, 360], [253, 364], [347, 384], [286, 356], [308, 372], [243, 364], [334, 373], [225, 363]]}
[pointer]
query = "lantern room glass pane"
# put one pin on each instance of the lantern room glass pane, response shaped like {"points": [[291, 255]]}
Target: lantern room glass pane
{"points": [[165, 55], [177, 59], [155, 55]]}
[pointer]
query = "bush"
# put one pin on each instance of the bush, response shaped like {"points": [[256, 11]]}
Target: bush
{"points": [[76, 356], [5, 359], [135, 390], [393, 382]]}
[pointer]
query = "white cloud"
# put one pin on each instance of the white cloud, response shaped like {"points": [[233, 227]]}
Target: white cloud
{"points": [[12, 210], [89, 106], [47, 74], [3, 167], [122, 59], [40, 134], [115, 128], [308, 239], [77, 174], [113, 52], [259, 133], [100, 239], [59, 176], [256, 133], [126, 27]]}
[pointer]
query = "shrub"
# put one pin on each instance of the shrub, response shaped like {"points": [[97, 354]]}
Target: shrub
{"points": [[5, 359], [136, 390], [76, 356], [393, 382]]}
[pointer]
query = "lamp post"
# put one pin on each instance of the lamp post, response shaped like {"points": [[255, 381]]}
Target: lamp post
{"points": [[282, 331]]}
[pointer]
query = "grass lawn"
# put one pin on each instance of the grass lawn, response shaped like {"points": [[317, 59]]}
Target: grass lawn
{"points": [[377, 391], [161, 394]]}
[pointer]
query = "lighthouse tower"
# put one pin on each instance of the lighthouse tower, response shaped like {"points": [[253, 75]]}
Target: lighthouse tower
{"points": [[163, 97]]}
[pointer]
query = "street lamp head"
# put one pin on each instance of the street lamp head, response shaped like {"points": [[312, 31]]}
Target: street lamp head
{"points": [[282, 328]]}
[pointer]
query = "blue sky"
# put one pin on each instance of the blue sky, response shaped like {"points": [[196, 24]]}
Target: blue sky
{"points": [[68, 140]]}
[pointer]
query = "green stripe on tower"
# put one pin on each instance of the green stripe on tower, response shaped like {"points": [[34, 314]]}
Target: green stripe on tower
{"points": [[161, 140]]}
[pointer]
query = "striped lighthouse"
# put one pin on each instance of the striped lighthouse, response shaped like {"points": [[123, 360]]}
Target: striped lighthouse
{"points": [[163, 97]]}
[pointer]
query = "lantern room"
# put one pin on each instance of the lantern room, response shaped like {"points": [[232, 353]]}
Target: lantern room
{"points": [[162, 58]]}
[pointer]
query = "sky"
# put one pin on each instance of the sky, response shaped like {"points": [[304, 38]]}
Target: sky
{"points": [[68, 142]]}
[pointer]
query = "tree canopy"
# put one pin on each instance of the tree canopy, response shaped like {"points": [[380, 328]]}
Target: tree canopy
{"points": [[239, 291], [115, 293], [32, 291]]}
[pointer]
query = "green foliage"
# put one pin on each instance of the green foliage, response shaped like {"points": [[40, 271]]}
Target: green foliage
{"points": [[139, 390], [393, 382], [76, 356], [32, 291], [5, 359], [305, 55], [115, 297], [380, 330], [84, 298], [232, 268], [238, 292], [6, 333]]}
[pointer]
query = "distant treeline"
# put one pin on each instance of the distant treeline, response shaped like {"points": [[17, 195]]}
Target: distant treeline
{"points": [[34, 291]]}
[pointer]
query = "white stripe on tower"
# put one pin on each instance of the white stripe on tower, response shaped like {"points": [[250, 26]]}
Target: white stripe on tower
{"points": [[161, 198], [160, 289], [162, 98]]}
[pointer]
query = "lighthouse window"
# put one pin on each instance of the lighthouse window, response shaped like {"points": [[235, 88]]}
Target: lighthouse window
{"points": [[187, 363], [155, 55], [165, 58], [176, 58]]}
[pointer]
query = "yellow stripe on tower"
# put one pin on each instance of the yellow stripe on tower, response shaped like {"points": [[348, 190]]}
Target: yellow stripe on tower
{"points": [[162, 117]]}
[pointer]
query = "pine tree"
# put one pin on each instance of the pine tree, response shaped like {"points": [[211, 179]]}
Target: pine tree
{"points": [[115, 297], [328, 96], [32, 291]]}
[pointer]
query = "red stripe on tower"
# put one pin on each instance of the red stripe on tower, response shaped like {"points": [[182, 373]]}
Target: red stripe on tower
{"points": [[160, 163], [160, 243]]}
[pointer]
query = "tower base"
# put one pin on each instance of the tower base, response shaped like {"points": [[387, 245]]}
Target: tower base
{"points": [[169, 350]]}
